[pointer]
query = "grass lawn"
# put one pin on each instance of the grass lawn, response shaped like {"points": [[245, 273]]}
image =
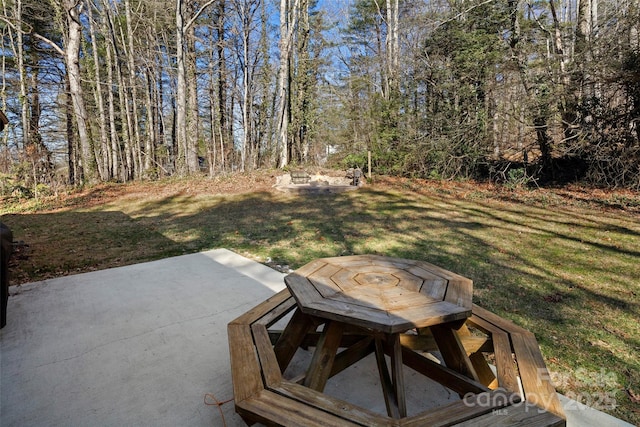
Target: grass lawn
{"points": [[563, 263]]}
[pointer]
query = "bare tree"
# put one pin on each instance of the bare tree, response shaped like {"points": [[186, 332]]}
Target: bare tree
{"points": [[289, 12], [69, 14], [187, 150], [103, 160]]}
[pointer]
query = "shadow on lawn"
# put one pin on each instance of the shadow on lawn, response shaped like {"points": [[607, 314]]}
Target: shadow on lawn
{"points": [[527, 264], [473, 239], [62, 243]]}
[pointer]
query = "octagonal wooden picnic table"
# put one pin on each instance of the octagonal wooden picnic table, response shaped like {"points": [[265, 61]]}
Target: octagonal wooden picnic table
{"points": [[392, 307], [386, 296]]}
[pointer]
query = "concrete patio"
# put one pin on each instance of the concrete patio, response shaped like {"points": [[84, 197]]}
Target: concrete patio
{"points": [[146, 345]]}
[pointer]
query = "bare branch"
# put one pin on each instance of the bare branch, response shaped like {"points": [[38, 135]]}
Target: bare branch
{"points": [[464, 12], [198, 13], [42, 38]]}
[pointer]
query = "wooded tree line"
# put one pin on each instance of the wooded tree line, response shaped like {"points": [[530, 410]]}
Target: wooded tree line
{"points": [[513, 90]]}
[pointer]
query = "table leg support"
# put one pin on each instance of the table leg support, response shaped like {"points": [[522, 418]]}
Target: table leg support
{"points": [[452, 350], [397, 374], [291, 338], [392, 385], [324, 356]]}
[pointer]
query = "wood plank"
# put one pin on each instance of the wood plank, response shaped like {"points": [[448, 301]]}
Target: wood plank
{"points": [[471, 344], [383, 320], [460, 292], [432, 313], [245, 368], [434, 285], [472, 406], [323, 357], [414, 284], [357, 297], [291, 338], [496, 320], [273, 409], [536, 380], [398, 263], [506, 369], [352, 354], [483, 325], [268, 361], [338, 279], [375, 268], [334, 406], [464, 331], [311, 338], [350, 261], [262, 309], [302, 289], [515, 415], [347, 313], [453, 353], [484, 371], [385, 381], [397, 376], [321, 279], [505, 334], [310, 267], [277, 312], [451, 379], [449, 275]]}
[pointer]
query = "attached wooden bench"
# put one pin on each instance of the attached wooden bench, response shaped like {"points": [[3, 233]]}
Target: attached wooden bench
{"points": [[262, 395], [520, 367]]}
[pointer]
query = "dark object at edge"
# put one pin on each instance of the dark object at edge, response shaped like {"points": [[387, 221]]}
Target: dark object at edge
{"points": [[6, 247], [3, 120]]}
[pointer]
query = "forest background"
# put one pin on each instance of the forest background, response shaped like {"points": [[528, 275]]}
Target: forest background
{"points": [[514, 91]]}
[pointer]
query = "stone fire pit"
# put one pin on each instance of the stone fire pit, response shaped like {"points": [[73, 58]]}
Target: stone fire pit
{"points": [[316, 183]]}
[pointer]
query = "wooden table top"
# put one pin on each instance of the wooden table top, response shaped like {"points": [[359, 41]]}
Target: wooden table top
{"points": [[386, 294]]}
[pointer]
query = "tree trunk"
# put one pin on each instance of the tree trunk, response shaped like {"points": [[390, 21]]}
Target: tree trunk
{"points": [[103, 161], [151, 136], [132, 99], [128, 167], [222, 83], [24, 99], [212, 147], [245, 103], [181, 91], [392, 46], [116, 164], [192, 102], [72, 57], [74, 173], [540, 113], [246, 10], [264, 126], [583, 50], [187, 150], [288, 22]]}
